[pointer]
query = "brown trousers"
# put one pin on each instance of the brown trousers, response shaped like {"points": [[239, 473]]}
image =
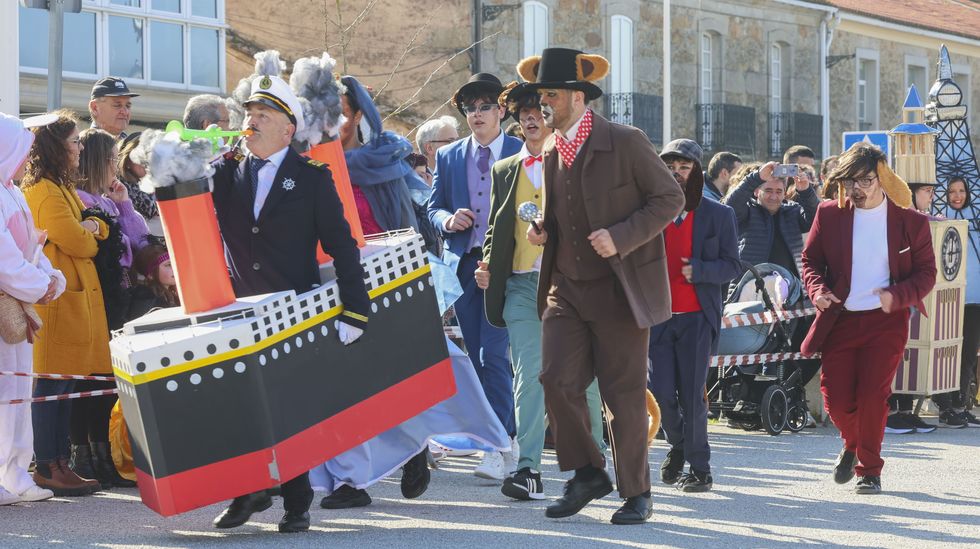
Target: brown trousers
{"points": [[589, 332]]}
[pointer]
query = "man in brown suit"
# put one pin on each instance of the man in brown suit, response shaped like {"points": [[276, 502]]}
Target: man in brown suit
{"points": [[603, 283]]}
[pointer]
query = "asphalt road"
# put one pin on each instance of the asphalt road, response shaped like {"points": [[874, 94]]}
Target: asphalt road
{"points": [[769, 492]]}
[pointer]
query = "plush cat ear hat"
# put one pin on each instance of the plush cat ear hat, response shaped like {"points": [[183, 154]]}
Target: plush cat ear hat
{"points": [[895, 188], [562, 68]]}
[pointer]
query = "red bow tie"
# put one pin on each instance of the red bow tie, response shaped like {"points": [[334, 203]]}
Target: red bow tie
{"points": [[530, 160]]}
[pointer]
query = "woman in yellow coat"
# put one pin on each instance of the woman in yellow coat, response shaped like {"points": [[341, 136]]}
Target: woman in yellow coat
{"points": [[74, 337]]}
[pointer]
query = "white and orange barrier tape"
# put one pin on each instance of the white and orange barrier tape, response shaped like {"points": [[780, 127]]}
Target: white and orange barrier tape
{"points": [[58, 376], [52, 398], [763, 358], [756, 319]]}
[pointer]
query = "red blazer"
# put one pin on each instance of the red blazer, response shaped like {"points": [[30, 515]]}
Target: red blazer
{"points": [[828, 254]]}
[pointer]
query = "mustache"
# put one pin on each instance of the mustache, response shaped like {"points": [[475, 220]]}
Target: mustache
{"points": [[547, 111]]}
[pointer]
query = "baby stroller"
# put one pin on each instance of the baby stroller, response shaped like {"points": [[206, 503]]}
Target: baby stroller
{"points": [[770, 396]]}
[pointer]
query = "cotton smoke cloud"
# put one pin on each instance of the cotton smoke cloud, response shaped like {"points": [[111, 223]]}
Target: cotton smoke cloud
{"points": [[267, 63], [314, 82], [168, 160]]}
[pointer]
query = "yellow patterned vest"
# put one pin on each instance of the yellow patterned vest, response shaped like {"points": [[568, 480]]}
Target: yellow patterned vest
{"points": [[525, 255]]}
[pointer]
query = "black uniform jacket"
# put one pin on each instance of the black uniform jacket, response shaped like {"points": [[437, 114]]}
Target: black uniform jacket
{"points": [[277, 251]]}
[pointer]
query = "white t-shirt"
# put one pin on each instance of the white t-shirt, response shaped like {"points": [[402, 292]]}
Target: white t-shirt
{"points": [[869, 259]]}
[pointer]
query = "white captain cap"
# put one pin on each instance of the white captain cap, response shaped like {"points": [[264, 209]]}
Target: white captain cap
{"points": [[275, 93]]}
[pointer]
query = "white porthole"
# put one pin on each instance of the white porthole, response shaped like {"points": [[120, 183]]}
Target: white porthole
{"points": [[324, 330], [262, 360], [275, 354], [310, 336], [195, 379], [299, 342], [398, 297], [409, 291], [240, 367], [218, 373], [171, 385], [286, 348], [374, 307], [387, 302]]}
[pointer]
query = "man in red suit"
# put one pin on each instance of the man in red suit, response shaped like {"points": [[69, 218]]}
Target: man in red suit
{"points": [[868, 259]]}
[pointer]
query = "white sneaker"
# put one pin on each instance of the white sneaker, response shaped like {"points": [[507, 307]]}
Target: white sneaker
{"points": [[512, 457], [6, 498], [36, 493], [492, 467]]}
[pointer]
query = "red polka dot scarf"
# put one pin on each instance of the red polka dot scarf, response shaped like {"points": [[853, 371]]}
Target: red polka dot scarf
{"points": [[569, 149]]}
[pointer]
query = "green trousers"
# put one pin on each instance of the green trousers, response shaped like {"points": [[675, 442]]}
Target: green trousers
{"points": [[524, 330]]}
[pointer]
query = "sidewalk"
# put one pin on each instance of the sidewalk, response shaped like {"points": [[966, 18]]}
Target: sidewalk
{"points": [[769, 492]]}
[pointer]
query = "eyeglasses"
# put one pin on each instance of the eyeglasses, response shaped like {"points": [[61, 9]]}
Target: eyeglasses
{"points": [[864, 183], [485, 107]]}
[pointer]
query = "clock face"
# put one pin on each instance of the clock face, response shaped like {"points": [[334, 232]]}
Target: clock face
{"points": [[949, 95], [952, 254]]}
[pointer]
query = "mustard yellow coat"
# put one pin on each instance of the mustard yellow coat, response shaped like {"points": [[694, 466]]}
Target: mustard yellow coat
{"points": [[74, 337]]}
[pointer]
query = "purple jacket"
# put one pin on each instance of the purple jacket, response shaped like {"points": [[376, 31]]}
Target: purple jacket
{"points": [[132, 224]]}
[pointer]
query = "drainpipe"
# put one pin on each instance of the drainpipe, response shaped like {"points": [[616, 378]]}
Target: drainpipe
{"points": [[827, 25], [667, 86], [477, 36]]}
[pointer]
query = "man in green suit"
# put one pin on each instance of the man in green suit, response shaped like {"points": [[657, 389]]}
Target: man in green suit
{"points": [[508, 275]]}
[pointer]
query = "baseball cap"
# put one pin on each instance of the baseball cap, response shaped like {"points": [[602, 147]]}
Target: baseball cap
{"points": [[111, 86]]}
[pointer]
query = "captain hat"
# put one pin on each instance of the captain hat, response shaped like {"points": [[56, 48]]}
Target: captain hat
{"points": [[274, 92]]}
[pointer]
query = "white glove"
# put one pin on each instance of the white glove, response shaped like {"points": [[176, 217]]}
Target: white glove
{"points": [[348, 334]]}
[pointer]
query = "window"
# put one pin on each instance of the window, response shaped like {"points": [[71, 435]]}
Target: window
{"points": [[917, 73], [164, 43], [780, 77], [535, 28], [710, 73], [621, 71], [79, 46], [867, 90]]}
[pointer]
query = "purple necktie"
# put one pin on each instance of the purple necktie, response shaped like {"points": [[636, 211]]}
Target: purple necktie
{"points": [[483, 160]]}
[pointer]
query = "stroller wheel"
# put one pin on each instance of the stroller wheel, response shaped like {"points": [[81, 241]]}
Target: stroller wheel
{"points": [[796, 418], [773, 409]]}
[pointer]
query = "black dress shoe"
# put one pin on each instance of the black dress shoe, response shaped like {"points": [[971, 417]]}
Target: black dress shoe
{"points": [[294, 522], [672, 467], [696, 481], [241, 509], [416, 476], [636, 510], [346, 497], [868, 485], [844, 468], [578, 493]]}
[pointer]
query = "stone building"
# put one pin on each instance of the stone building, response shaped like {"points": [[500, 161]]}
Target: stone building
{"points": [[752, 76]]}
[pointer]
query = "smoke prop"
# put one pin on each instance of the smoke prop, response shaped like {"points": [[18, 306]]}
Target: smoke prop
{"points": [[313, 80], [168, 160], [267, 63]]}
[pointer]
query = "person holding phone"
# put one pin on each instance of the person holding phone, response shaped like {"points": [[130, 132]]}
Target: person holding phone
{"points": [[770, 228]]}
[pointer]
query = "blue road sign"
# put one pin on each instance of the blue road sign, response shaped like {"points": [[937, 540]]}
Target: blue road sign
{"points": [[877, 138]]}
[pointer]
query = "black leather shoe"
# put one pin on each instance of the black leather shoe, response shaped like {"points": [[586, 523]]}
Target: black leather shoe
{"points": [[578, 493], [416, 476], [868, 485], [844, 468], [636, 510], [346, 497], [672, 467], [696, 481], [241, 509], [294, 522]]}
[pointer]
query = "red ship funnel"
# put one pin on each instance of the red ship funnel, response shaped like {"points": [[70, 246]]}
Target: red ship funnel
{"points": [[332, 154], [196, 251]]}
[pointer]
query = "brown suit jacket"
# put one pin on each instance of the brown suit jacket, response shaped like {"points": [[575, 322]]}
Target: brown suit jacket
{"points": [[629, 191], [829, 253]]}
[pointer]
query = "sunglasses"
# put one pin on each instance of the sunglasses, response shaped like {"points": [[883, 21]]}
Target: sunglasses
{"points": [[473, 109]]}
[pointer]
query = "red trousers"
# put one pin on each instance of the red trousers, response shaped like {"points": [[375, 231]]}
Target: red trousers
{"points": [[860, 357]]}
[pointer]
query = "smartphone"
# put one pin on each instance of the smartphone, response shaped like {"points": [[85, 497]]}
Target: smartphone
{"points": [[786, 170]]}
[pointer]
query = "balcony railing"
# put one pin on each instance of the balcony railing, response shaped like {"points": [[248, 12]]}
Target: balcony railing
{"points": [[723, 127], [639, 110], [794, 128]]}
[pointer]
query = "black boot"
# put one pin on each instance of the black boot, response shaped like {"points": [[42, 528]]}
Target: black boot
{"points": [[82, 463], [105, 469]]}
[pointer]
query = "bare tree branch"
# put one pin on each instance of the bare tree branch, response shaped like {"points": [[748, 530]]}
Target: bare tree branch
{"points": [[430, 117], [408, 50], [405, 104]]}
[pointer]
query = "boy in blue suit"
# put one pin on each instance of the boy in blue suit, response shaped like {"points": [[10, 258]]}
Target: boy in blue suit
{"points": [[702, 256], [460, 207]]}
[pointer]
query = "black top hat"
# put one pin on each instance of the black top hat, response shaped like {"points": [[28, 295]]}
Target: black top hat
{"points": [[111, 86], [478, 84], [562, 68], [514, 95]]}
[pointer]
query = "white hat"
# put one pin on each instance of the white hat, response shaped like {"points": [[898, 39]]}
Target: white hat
{"points": [[16, 140], [275, 93]]}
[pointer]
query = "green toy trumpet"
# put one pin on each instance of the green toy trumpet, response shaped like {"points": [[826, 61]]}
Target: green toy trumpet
{"points": [[214, 134]]}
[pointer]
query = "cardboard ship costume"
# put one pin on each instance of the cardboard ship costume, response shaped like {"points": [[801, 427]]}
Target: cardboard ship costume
{"points": [[230, 396]]}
